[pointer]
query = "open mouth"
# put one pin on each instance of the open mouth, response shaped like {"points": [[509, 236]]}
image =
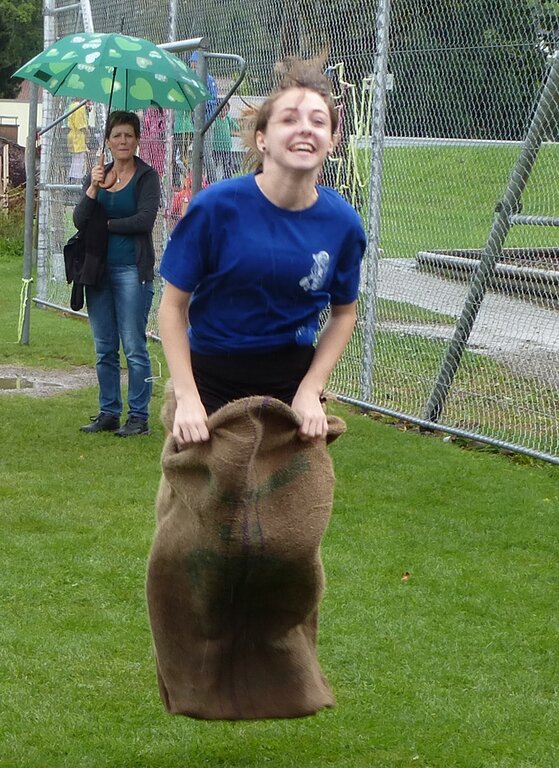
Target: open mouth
{"points": [[303, 148]]}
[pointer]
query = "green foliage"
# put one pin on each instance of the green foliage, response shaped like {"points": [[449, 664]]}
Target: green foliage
{"points": [[463, 68], [11, 226], [21, 36], [546, 17]]}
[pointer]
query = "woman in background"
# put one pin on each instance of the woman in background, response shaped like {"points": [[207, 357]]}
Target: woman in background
{"points": [[118, 309]]}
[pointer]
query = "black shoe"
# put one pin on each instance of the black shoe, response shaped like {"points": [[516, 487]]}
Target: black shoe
{"points": [[105, 422], [135, 425]]}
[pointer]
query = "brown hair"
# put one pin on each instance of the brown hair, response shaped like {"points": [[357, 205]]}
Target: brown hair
{"points": [[120, 117], [300, 75]]}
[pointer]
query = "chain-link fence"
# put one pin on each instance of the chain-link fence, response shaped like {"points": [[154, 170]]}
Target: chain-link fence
{"points": [[458, 323]]}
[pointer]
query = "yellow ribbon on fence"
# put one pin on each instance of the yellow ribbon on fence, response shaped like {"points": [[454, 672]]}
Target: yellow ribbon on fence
{"points": [[23, 299]]}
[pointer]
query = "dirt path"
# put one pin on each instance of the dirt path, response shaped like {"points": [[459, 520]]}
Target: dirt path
{"points": [[36, 382]]}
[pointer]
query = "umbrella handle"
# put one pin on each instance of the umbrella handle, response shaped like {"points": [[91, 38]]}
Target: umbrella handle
{"points": [[110, 177]]}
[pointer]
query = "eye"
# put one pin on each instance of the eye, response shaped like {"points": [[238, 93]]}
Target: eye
{"points": [[319, 120]]}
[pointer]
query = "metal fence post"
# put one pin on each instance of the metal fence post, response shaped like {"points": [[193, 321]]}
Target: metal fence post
{"points": [[199, 123], [168, 187], [30, 170], [375, 189], [43, 222]]}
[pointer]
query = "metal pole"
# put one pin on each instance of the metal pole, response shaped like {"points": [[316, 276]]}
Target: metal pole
{"points": [[200, 44], [201, 125], [172, 21], [43, 223], [87, 16], [199, 121], [30, 170], [242, 71], [178, 46], [167, 181], [375, 190], [499, 230], [99, 109]]}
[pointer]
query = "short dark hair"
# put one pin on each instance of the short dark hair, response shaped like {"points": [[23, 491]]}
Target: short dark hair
{"points": [[120, 117]]}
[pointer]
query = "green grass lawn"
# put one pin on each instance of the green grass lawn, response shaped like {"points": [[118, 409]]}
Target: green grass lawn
{"points": [[442, 197], [454, 667], [485, 398]]}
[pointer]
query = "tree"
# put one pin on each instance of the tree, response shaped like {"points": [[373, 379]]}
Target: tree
{"points": [[463, 68], [21, 36]]}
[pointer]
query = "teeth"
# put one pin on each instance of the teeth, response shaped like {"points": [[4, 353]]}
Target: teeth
{"points": [[304, 147]]}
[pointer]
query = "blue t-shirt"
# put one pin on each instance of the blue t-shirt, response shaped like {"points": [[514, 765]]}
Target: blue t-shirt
{"points": [[261, 275], [119, 205]]}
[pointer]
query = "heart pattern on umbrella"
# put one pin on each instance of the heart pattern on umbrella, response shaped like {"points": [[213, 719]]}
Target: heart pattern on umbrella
{"points": [[126, 72]]}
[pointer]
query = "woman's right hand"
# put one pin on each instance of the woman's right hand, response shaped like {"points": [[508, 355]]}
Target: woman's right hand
{"points": [[96, 180], [97, 176], [191, 422]]}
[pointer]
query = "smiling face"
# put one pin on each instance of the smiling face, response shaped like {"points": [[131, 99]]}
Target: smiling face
{"points": [[298, 134]]}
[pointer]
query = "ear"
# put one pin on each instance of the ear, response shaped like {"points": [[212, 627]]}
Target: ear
{"points": [[260, 140], [334, 141]]}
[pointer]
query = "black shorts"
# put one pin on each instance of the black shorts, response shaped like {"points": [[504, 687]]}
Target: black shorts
{"points": [[232, 375]]}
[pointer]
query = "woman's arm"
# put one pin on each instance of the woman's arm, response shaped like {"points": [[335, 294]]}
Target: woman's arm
{"points": [[331, 344], [190, 423]]}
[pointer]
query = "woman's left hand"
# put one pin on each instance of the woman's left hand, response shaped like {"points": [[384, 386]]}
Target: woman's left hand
{"points": [[308, 407]]}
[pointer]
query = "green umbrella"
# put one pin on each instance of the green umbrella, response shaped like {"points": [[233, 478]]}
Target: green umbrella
{"points": [[124, 72]]}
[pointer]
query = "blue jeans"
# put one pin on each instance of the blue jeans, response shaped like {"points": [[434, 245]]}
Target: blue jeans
{"points": [[118, 311]]}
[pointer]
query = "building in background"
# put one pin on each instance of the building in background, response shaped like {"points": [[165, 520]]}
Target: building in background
{"points": [[14, 116]]}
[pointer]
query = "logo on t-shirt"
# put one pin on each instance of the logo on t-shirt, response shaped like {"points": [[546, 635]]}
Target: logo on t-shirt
{"points": [[315, 279]]}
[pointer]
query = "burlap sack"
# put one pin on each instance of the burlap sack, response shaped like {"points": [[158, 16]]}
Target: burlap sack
{"points": [[234, 575]]}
